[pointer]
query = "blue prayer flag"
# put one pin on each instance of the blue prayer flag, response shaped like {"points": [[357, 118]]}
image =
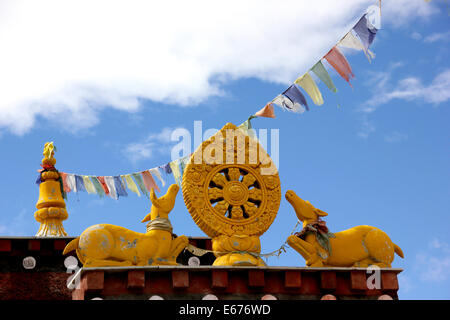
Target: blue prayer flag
{"points": [[166, 168], [365, 31], [79, 182], [294, 94], [120, 189]]}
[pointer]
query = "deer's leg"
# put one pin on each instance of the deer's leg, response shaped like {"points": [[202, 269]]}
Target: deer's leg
{"points": [[301, 246], [315, 261], [307, 250], [178, 244]]}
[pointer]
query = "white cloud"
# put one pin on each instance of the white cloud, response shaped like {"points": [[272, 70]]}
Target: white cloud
{"points": [[401, 12], [395, 136], [366, 128], [153, 144], [409, 89], [379, 82], [430, 268], [69, 60], [434, 265], [444, 36], [439, 244], [416, 36]]}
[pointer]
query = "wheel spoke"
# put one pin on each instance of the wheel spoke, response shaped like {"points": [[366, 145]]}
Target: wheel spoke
{"points": [[222, 207], [219, 180], [234, 174], [255, 194], [250, 208], [237, 213], [248, 180], [215, 193]]}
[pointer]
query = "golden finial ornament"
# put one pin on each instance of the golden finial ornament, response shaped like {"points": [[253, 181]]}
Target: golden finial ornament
{"points": [[232, 190], [51, 206]]}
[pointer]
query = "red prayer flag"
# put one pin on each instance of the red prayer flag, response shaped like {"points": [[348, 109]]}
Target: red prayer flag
{"points": [[337, 60], [103, 183], [267, 111], [64, 180], [149, 182]]}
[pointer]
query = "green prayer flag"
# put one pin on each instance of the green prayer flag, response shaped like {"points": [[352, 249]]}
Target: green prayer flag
{"points": [[138, 178], [320, 71], [98, 187], [175, 166]]}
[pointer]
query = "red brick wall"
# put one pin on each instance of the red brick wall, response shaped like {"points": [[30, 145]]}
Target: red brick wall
{"points": [[47, 281]]}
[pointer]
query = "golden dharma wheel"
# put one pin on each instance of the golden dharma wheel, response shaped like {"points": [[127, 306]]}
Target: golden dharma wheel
{"points": [[231, 186]]}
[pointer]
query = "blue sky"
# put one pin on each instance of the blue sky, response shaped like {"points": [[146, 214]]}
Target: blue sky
{"points": [[109, 94]]}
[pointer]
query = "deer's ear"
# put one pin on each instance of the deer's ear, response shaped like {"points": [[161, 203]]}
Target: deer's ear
{"points": [[147, 218], [321, 213], [152, 194], [153, 198]]}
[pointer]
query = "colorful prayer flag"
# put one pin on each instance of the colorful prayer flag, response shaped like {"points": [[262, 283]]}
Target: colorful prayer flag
{"points": [[337, 60], [120, 188], [98, 187], [174, 166], [71, 182], [131, 184], [351, 41], [64, 180], [79, 183], [365, 31], [267, 111], [88, 185], [149, 182], [308, 84], [183, 163], [109, 181], [138, 178], [373, 16], [286, 104], [166, 168], [155, 172], [102, 181], [294, 94], [322, 73]]}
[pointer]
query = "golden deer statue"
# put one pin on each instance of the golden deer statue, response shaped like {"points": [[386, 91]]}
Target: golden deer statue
{"points": [[359, 246], [104, 245]]}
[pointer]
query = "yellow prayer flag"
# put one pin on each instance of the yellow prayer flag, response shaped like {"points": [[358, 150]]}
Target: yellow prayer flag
{"points": [[174, 165], [308, 84], [88, 185], [131, 184]]}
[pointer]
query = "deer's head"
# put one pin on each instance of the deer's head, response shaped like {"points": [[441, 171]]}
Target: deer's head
{"points": [[305, 211], [162, 206]]}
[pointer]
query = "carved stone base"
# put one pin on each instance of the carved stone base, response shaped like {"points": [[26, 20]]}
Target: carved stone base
{"points": [[239, 259], [237, 250]]}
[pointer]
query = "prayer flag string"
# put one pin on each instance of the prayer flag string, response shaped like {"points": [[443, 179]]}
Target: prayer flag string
{"points": [[360, 37]]}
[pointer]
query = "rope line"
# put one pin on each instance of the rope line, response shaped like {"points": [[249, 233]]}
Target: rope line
{"points": [[200, 252]]}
